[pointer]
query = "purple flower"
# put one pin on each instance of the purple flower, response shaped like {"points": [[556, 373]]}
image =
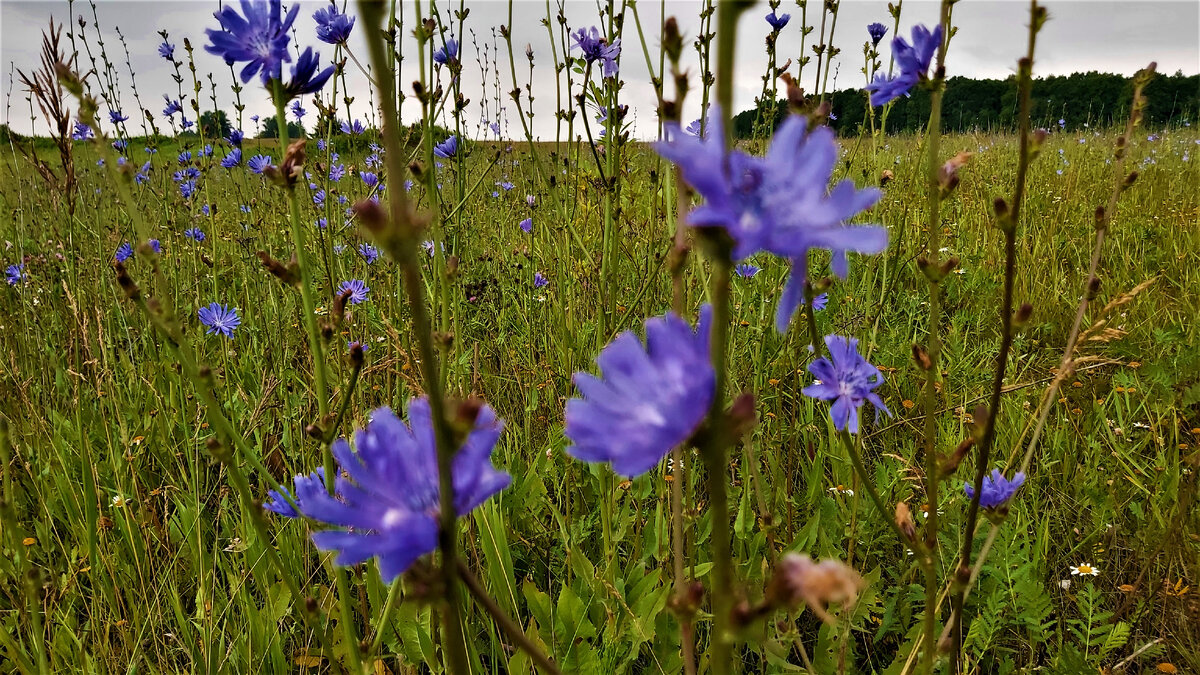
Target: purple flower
{"points": [[355, 127], [172, 107], [876, 31], [261, 38], [596, 48], [389, 500], [778, 22], [369, 253], [369, 179], [650, 399], [997, 490], [495, 127], [233, 159], [694, 128], [447, 148], [15, 274], [305, 79], [279, 501], [187, 189], [167, 50], [82, 132], [184, 157], [195, 233], [847, 380], [530, 200], [448, 53], [322, 223], [298, 111], [527, 225], [358, 290], [779, 203], [819, 302], [913, 62], [318, 198], [235, 137], [120, 144], [155, 245], [333, 27], [259, 163], [506, 186], [116, 117], [746, 270], [539, 281], [219, 319], [337, 172], [124, 252]]}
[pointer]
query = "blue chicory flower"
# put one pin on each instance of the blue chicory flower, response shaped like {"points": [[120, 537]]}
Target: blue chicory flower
{"points": [[219, 319], [15, 274], [650, 398], [260, 39], [596, 48], [527, 225], [333, 27], [912, 61], [845, 378], [876, 31], [448, 53], [997, 490], [447, 148], [778, 21], [746, 270], [233, 159], [259, 163], [195, 233], [357, 289], [167, 50], [124, 252], [369, 253], [389, 498]]}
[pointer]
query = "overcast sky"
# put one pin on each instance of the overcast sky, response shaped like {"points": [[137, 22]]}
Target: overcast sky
{"points": [[1110, 36]]}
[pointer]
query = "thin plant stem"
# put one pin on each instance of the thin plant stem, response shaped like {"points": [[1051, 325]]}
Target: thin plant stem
{"points": [[510, 627]]}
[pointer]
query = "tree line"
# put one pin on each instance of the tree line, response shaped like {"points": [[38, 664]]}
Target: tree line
{"points": [[1080, 100]]}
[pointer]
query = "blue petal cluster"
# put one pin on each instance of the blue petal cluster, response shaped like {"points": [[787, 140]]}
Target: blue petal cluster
{"points": [[448, 53], [649, 398], [876, 31], [997, 489], [596, 48], [333, 27], [278, 501], [447, 148], [847, 380], [305, 79], [260, 38], [778, 21], [219, 319], [357, 289], [388, 499], [780, 203], [911, 60]]}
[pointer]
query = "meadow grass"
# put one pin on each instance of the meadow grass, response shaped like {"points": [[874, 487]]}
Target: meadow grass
{"points": [[125, 550]]}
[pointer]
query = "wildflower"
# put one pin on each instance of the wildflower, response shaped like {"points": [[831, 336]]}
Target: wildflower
{"points": [[260, 39], [233, 159], [447, 148], [800, 579], [124, 252], [539, 281], [166, 50], [245, 208], [447, 54], [184, 157], [495, 127], [279, 500], [819, 302], [530, 200], [172, 107], [369, 179], [82, 132], [876, 31], [187, 189], [318, 198], [358, 290], [847, 380], [746, 270], [997, 490], [259, 163], [356, 127], [527, 225], [507, 186], [913, 62], [155, 245], [333, 27], [15, 274], [649, 399], [185, 123], [336, 172], [298, 111], [235, 137], [305, 79], [195, 233], [208, 212], [694, 128], [389, 499], [120, 144], [779, 203], [778, 21], [322, 223], [119, 501], [1062, 123], [219, 319], [1084, 569], [369, 253], [596, 48]]}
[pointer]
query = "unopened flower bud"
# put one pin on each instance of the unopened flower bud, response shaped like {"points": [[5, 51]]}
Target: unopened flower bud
{"points": [[370, 214], [1024, 312], [951, 463], [886, 177], [921, 357]]}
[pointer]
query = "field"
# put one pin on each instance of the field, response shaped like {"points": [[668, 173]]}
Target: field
{"points": [[130, 543]]}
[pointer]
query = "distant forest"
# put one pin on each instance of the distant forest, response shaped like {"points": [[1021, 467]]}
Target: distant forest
{"points": [[1081, 99]]}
